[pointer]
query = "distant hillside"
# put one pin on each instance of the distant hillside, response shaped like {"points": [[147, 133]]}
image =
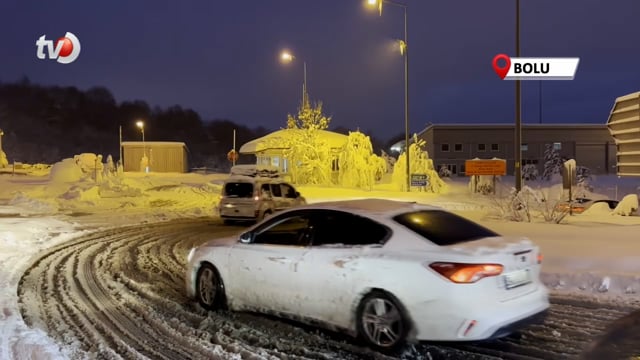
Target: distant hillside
{"points": [[46, 124]]}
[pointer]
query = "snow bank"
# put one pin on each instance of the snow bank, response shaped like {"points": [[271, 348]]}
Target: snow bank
{"points": [[66, 171], [628, 206]]}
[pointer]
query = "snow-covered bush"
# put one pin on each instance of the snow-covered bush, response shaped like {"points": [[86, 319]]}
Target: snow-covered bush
{"points": [[66, 171], [583, 178], [3, 160], [358, 165], [482, 184], [530, 172], [420, 163], [552, 162], [627, 206], [530, 203], [444, 171]]}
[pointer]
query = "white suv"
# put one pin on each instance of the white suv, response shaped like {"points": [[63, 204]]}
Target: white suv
{"points": [[252, 196]]}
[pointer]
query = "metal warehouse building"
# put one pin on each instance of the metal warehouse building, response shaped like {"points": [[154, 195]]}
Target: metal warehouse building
{"points": [[163, 156], [591, 145]]}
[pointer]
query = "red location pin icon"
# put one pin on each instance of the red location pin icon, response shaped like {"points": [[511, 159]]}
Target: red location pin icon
{"points": [[502, 70]]}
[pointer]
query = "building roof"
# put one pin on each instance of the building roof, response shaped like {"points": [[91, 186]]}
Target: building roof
{"points": [[270, 141], [511, 126], [156, 143]]}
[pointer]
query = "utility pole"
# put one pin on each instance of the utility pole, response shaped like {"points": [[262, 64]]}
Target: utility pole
{"points": [[518, 127]]}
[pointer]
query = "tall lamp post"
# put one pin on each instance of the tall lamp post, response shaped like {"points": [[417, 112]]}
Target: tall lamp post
{"points": [[287, 57], [518, 134], [145, 160], [405, 52]]}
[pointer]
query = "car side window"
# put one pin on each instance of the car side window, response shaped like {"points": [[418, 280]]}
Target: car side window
{"points": [[291, 231], [288, 191], [339, 229], [275, 190], [265, 189]]}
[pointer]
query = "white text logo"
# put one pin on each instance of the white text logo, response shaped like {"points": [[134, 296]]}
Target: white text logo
{"points": [[65, 50]]}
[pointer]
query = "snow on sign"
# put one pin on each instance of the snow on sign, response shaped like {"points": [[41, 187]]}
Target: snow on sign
{"points": [[419, 180], [485, 167], [624, 126]]}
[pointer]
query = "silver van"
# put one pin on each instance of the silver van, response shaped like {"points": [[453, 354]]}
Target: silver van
{"points": [[252, 198]]}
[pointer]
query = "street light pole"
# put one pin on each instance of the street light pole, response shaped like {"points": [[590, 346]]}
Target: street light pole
{"points": [[287, 57], [405, 51], [518, 132]]}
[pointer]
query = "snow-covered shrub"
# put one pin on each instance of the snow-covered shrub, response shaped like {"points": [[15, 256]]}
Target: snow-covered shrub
{"points": [[530, 203], [552, 162], [482, 184], [420, 163], [3, 160], [583, 178], [530, 172], [444, 171], [358, 165], [66, 171], [627, 206]]}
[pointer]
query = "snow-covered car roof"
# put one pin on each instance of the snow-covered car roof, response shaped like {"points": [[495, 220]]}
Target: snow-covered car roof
{"points": [[371, 207]]}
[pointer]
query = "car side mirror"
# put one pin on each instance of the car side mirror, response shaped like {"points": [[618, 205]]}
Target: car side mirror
{"points": [[245, 238], [297, 194]]}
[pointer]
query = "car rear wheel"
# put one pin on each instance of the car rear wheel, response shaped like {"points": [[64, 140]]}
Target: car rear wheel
{"points": [[209, 288], [381, 322]]}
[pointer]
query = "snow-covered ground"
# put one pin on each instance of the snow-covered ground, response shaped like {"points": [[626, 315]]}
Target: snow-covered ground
{"points": [[596, 254]]}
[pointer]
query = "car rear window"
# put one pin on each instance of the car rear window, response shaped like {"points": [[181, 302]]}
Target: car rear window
{"points": [[238, 189], [442, 227]]}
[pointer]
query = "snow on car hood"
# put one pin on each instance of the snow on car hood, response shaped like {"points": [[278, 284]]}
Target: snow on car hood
{"points": [[226, 241], [494, 244]]}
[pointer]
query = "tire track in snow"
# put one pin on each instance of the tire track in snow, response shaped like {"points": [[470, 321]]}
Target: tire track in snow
{"points": [[119, 293]]}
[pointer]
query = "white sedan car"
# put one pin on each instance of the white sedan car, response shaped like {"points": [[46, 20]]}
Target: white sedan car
{"points": [[383, 270]]}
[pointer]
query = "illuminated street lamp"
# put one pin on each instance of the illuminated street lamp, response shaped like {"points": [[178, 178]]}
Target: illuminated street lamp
{"points": [[140, 124], [404, 50], [287, 57], [144, 164]]}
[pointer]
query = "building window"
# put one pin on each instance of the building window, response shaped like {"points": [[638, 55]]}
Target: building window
{"points": [[482, 147], [457, 147], [524, 147], [495, 147], [444, 147], [557, 146], [529, 162]]}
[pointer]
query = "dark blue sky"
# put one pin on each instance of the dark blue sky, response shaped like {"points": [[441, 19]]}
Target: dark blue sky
{"points": [[221, 57]]}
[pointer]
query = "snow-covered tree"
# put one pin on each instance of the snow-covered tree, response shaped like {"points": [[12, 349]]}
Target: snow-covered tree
{"points": [[420, 163], [358, 165], [552, 162], [309, 156], [530, 172], [390, 160], [583, 178], [308, 117]]}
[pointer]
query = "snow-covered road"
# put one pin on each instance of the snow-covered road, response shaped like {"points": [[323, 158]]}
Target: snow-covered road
{"points": [[120, 293]]}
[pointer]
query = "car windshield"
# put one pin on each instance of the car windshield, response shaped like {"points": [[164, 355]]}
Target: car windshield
{"points": [[443, 228], [239, 190]]}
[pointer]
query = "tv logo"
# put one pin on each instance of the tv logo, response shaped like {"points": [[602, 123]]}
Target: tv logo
{"points": [[65, 50]]}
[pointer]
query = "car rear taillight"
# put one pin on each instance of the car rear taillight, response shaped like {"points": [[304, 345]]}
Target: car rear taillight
{"points": [[466, 273], [540, 258]]}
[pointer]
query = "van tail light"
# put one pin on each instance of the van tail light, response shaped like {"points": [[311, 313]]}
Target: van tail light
{"points": [[540, 258], [466, 273]]}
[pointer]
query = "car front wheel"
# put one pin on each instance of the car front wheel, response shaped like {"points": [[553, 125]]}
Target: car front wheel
{"points": [[381, 322], [209, 288]]}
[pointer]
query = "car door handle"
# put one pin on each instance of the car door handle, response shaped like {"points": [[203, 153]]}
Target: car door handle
{"points": [[280, 259]]}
